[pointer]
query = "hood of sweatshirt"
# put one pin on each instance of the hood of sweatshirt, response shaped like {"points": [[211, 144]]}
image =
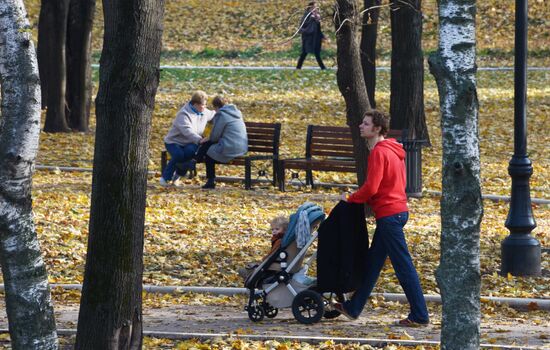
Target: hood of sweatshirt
{"points": [[393, 146], [231, 111]]}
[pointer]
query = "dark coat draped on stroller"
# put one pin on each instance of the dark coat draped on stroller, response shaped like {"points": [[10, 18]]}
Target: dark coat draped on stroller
{"points": [[342, 249]]}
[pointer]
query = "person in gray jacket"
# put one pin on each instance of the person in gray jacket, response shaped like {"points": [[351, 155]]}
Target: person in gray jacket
{"points": [[228, 139], [185, 135]]}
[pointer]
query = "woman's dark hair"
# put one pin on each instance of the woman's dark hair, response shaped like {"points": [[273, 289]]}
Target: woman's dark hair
{"points": [[219, 102], [379, 119]]}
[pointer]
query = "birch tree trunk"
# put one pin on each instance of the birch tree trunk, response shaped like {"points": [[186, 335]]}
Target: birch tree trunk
{"points": [[110, 309], [350, 77], [458, 276], [28, 300]]}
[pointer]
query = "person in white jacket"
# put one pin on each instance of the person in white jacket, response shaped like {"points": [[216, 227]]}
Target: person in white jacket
{"points": [[185, 135]]}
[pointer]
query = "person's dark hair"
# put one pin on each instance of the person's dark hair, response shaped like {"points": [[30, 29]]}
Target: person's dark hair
{"points": [[311, 5], [379, 119], [219, 101]]}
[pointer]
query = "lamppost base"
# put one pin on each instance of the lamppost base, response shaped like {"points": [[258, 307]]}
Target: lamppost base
{"points": [[521, 256]]}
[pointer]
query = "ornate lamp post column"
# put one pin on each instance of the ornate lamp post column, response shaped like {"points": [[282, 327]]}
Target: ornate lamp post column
{"points": [[520, 252]]}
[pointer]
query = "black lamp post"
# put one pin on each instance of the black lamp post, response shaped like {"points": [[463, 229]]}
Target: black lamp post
{"points": [[520, 252]]}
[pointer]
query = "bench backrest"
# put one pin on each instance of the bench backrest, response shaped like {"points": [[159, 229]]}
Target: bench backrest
{"points": [[263, 137], [335, 141]]}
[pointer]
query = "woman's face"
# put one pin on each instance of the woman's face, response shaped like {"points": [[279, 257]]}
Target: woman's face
{"points": [[200, 107]]}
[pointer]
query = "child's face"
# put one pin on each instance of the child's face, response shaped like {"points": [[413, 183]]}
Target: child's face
{"points": [[275, 230]]}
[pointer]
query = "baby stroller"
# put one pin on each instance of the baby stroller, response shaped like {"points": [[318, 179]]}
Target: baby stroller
{"points": [[280, 280]]}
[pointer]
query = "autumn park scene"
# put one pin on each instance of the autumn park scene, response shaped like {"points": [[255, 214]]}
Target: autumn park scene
{"points": [[221, 174]]}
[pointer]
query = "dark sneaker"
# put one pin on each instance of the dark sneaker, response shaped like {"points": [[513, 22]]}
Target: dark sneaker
{"points": [[340, 308], [410, 323], [209, 185]]}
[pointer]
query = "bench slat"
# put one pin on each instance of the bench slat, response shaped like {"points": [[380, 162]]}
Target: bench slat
{"points": [[260, 137], [327, 153], [260, 149], [340, 135], [259, 131], [333, 129], [331, 141]]}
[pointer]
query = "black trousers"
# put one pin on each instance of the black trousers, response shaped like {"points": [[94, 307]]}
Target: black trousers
{"points": [[201, 156], [317, 57], [210, 168]]}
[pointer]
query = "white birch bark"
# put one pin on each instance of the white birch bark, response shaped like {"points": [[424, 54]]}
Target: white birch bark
{"points": [[458, 276], [28, 300]]}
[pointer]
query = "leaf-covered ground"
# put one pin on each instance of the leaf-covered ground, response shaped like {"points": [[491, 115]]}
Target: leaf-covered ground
{"points": [[259, 32], [197, 237], [297, 99]]}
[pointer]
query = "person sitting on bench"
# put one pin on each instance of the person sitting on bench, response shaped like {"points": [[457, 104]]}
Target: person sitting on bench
{"points": [[227, 140], [185, 135]]}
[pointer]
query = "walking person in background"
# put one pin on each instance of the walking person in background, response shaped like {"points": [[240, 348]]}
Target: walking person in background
{"points": [[312, 37], [185, 135], [384, 191], [227, 140]]}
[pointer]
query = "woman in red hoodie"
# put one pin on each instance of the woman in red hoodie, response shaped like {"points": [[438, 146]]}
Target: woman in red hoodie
{"points": [[384, 191]]}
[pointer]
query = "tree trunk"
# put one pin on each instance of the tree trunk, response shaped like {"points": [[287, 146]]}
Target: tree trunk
{"points": [[28, 301], [407, 69], [350, 77], [110, 309], [368, 47], [458, 276], [79, 72], [52, 32]]}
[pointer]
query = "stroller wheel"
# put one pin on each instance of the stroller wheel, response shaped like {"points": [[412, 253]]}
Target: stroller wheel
{"points": [[308, 307], [255, 313], [270, 311]]}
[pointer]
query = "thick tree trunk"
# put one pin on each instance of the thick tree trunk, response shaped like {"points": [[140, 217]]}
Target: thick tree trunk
{"points": [[52, 32], [28, 301], [79, 72], [350, 77], [458, 276], [368, 47], [110, 309], [407, 69]]}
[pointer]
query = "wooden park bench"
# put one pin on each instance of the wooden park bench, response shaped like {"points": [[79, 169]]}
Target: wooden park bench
{"points": [[328, 148], [263, 145]]}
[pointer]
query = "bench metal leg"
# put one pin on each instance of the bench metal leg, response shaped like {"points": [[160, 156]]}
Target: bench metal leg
{"points": [[247, 174], [275, 172], [281, 175], [309, 178]]}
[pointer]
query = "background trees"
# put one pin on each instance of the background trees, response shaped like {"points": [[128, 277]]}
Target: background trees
{"points": [[28, 301], [64, 51], [110, 310], [458, 275], [407, 69], [350, 77]]}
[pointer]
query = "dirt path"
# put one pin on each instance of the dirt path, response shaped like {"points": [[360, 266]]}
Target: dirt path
{"points": [[189, 320]]}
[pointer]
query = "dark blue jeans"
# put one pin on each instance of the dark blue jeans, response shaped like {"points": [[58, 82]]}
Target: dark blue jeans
{"points": [[389, 240], [178, 154]]}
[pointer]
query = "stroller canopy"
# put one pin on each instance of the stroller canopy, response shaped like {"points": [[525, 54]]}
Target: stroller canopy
{"points": [[299, 225]]}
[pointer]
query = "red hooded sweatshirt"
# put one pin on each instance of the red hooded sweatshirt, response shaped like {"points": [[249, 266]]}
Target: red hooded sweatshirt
{"points": [[384, 189]]}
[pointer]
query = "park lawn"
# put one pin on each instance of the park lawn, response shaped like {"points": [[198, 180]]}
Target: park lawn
{"points": [[299, 98], [243, 32]]}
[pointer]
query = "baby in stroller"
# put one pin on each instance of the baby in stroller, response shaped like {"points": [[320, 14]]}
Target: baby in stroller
{"points": [[279, 226], [280, 280]]}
